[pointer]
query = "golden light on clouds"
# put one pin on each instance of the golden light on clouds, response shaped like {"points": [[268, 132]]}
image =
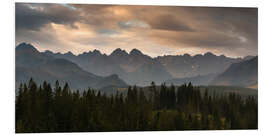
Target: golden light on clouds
{"points": [[155, 30], [118, 11]]}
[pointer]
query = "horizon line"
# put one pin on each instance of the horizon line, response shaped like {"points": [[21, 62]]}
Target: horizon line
{"points": [[129, 52]]}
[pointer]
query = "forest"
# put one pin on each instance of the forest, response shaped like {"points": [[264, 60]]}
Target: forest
{"points": [[54, 108]]}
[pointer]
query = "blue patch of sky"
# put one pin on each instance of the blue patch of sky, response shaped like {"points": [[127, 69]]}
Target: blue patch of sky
{"points": [[69, 6], [108, 32], [133, 23]]}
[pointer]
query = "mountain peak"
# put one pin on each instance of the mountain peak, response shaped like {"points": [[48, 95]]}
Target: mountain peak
{"points": [[91, 53], [186, 55], [48, 52], [96, 51], [69, 53], [209, 54], [248, 57], [135, 52], [118, 52], [26, 46]]}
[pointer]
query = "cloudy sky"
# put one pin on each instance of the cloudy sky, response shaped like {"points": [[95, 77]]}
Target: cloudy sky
{"points": [[155, 30]]}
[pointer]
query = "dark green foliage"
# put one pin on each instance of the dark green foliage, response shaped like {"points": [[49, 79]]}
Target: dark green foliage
{"points": [[46, 109]]}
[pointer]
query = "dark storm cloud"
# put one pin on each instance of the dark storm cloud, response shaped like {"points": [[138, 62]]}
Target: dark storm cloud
{"points": [[240, 20], [232, 31], [37, 37], [35, 16]]}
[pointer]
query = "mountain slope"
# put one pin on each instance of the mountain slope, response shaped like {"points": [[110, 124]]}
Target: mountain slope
{"points": [[40, 66], [135, 67], [140, 69], [183, 66], [196, 80], [244, 74]]}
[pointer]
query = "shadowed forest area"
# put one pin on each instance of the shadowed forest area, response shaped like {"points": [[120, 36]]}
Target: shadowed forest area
{"points": [[56, 108]]}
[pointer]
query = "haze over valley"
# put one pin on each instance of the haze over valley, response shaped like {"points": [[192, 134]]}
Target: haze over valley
{"points": [[120, 68]]}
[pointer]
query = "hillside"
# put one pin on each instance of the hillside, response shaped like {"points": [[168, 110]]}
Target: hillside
{"points": [[31, 63], [243, 74], [138, 68]]}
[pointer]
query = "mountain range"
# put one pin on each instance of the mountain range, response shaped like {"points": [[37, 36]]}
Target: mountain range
{"points": [[121, 68], [30, 63], [134, 68], [140, 69], [244, 73]]}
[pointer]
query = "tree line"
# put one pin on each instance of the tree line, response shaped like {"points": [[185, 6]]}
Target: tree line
{"points": [[45, 108]]}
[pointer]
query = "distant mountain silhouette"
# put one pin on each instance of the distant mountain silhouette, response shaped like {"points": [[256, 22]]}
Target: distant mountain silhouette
{"points": [[134, 67], [183, 66], [137, 68], [41, 66], [140, 69], [244, 73]]}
